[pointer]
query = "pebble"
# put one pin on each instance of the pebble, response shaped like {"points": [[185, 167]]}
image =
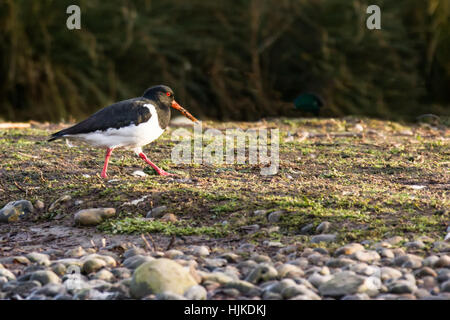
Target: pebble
{"points": [[199, 251], [408, 261], [135, 261], [157, 212], [307, 228], [246, 288], [158, 276], [418, 244], [262, 273], [287, 270], [323, 238], [75, 253], [39, 258], [386, 253], [346, 283], [7, 274], [368, 256], [298, 289], [445, 286], [388, 273], [196, 293], [58, 202], [349, 249], [323, 227], [45, 277], [442, 262], [93, 216], [275, 216], [105, 275], [39, 205], [16, 210], [425, 271], [401, 286]]}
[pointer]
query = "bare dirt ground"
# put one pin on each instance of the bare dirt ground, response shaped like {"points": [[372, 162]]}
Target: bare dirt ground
{"points": [[370, 179]]}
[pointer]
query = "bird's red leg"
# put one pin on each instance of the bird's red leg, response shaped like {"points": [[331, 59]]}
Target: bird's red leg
{"points": [[160, 171], [105, 166]]}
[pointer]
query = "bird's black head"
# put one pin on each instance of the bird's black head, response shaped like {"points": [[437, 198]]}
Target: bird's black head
{"points": [[161, 94], [164, 98]]}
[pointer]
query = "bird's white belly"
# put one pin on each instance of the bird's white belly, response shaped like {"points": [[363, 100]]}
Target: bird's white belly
{"points": [[132, 136]]}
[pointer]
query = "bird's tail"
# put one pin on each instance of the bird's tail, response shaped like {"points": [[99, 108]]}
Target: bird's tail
{"points": [[57, 135]]}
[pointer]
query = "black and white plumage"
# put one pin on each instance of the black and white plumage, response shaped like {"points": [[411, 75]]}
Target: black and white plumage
{"points": [[130, 124]]}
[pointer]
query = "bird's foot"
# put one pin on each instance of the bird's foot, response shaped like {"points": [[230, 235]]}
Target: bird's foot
{"points": [[103, 175], [161, 172]]}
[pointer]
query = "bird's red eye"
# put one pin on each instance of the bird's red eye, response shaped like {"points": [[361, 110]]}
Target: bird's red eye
{"points": [[168, 94]]}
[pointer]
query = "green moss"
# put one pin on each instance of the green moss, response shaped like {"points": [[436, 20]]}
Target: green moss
{"points": [[140, 225]]}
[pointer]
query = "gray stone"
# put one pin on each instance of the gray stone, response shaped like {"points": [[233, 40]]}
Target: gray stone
{"points": [[287, 270], [196, 293], [158, 276], [199, 251], [246, 288], [173, 254], [442, 262], [93, 216], [443, 275], [340, 262], [317, 279], [23, 289], [104, 274], [430, 261], [121, 273], [349, 249], [347, 283], [323, 227], [415, 244], [93, 265], [402, 286], [157, 212], [307, 229], [323, 238], [7, 274], [408, 261], [445, 286], [388, 273], [261, 273], [75, 252], [51, 290], [218, 277], [386, 253], [424, 272], [16, 210], [167, 295], [358, 296], [275, 216], [368, 256], [40, 258], [134, 262], [133, 252], [215, 263], [298, 289], [45, 277], [58, 202]]}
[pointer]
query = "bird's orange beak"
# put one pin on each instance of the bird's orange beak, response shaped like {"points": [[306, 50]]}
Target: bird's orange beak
{"points": [[175, 105]]}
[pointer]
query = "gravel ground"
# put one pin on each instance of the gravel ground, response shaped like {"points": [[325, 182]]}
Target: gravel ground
{"points": [[380, 271]]}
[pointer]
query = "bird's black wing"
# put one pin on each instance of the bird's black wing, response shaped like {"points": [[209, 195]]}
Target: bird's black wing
{"points": [[117, 115]]}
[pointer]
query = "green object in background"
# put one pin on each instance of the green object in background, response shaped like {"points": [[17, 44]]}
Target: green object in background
{"points": [[309, 102]]}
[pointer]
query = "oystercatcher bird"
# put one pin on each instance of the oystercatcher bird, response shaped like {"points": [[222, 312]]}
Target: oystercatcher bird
{"points": [[130, 124]]}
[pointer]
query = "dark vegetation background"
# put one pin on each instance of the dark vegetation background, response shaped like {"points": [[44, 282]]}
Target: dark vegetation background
{"points": [[237, 59]]}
